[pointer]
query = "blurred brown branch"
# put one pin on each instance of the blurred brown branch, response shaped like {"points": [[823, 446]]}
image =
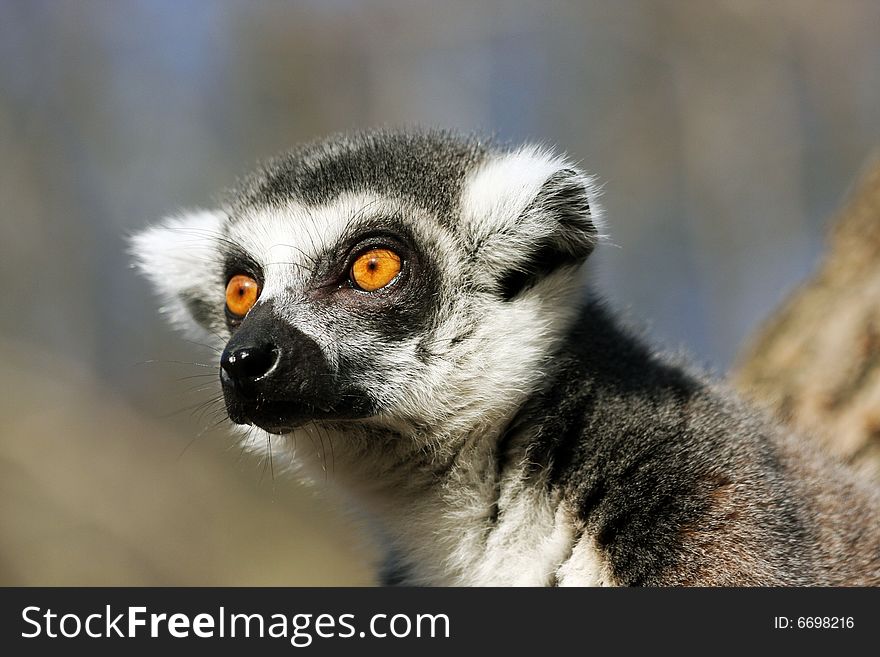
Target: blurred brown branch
{"points": [[816, 362]]}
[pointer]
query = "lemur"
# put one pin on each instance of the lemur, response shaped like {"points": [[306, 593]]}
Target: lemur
{"points": [[417, 299]]}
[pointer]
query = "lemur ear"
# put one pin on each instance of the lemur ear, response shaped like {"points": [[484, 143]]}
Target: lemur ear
{"points": [[181, 258], [528, 214]]}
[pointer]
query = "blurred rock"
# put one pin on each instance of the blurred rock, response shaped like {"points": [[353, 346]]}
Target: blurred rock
{"points": [[815, 362]]}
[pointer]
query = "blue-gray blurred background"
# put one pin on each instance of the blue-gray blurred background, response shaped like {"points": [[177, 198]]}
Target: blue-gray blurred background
{"points": [[725, 133]]}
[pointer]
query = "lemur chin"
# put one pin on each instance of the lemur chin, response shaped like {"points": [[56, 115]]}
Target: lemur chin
{"points": [[416, 298]]}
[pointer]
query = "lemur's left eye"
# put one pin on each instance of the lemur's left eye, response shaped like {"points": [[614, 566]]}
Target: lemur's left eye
{"points": [[374, 269], [241, 294]]}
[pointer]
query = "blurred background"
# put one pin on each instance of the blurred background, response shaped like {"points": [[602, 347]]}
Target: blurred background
{"points": [[725, 132]]}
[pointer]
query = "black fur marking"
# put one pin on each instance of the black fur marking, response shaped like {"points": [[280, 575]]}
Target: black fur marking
{"points": [[423, 350], [203, 313], [394, 571], [546, 259], [406, 307], [461, 337], [494, 512], [426, 168], [382, 231], [565, 197], [562, 199], [631, 441], [238, 261], [508, 450]]}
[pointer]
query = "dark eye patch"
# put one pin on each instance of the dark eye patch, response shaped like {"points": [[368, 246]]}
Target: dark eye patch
{"points": [[406, 307], [237, 261]]}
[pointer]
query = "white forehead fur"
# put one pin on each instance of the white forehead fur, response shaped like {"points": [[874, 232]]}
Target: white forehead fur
{"points": [[284, 240]]}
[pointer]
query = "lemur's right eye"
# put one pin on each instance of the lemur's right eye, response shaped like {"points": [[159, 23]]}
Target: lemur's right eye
{"points": [[374, 269], [241, 294]]}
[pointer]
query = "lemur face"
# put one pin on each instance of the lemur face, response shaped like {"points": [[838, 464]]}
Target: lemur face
{"points": [[335, 305], [414, 280]]}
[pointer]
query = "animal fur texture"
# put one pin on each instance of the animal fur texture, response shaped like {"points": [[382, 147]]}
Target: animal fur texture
{"points": [[485, 410]]}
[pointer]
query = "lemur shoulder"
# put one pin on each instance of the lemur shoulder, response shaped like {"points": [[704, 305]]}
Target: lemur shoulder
{"points": [[416, 298]]}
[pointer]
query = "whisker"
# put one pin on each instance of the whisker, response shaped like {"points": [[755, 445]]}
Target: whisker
{"points": [[248, 434], [201, 433], [312, 259], [281, 262], [211, 405], [200, 388], [205, 375], [332, 454], [213, 348], [271, 462], [194, 408], [220, 337], [312, 440], [159, 361], [267, 462]]}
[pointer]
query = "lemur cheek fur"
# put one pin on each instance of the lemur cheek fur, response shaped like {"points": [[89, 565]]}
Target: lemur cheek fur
{"points": [[416, 298]]}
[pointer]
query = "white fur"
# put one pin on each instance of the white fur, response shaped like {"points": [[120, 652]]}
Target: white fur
{"points": [[585, 567], [180, 255]]}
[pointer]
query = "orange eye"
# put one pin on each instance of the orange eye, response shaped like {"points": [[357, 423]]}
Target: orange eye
{"points": [[241, 294], [375, 269]]}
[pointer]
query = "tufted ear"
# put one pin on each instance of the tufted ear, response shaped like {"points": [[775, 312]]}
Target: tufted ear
{"points": [[528, 214], [181, 258]]}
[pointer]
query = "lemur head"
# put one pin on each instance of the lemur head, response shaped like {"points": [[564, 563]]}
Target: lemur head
{"points": [[411, 280]]}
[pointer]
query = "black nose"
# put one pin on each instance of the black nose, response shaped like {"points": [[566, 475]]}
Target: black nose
{"points": [[247, 363]]}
